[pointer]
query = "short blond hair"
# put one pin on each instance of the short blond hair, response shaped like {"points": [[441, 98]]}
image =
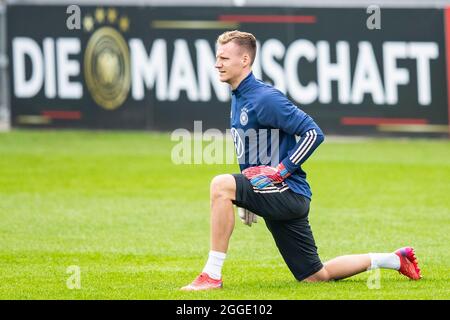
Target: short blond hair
{"points": [[243, 39]]}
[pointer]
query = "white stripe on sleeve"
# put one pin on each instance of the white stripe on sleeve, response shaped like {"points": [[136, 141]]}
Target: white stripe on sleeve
{"points": [[303, 145], [306, 149]]}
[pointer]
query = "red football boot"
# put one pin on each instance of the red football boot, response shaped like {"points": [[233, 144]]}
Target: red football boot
{"points": [[408, 263], [203, 282]]}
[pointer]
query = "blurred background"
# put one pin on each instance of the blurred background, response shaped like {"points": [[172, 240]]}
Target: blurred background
{"points": [[357, 67]]}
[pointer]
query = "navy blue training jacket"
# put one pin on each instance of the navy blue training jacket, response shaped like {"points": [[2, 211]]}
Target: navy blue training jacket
{"points": [[264, 126]]}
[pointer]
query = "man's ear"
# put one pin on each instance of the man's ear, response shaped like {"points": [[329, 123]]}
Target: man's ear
{"points": [[245, 59]]}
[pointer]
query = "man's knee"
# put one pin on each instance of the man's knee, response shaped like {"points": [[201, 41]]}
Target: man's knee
{"points": [[223, 186], [319, 276]]}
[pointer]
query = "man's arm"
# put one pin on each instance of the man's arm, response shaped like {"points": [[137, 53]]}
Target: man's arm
{"points": [[276, 111], [304, 148]]}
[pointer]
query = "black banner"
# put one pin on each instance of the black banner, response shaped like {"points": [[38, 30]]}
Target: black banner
{"points": [[221, 309], [153, 67]]}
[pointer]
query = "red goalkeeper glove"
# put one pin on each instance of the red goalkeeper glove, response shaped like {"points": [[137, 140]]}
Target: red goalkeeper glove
{"points": [[263, 176]]}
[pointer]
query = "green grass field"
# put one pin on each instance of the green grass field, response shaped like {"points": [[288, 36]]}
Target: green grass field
{"points": [[137, 225]]}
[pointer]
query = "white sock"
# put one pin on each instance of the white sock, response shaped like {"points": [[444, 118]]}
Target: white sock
{"points": [[214, 264], [384, 260]]}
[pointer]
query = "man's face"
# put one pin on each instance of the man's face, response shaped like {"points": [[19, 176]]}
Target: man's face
{"points": [[230, 62]]}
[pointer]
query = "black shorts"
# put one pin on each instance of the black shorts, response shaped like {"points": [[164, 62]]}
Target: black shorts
{"points": [[286, 215]]}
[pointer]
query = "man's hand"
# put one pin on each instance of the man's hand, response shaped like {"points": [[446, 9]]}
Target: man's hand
{"points": [[247, 217], [263, 176]]}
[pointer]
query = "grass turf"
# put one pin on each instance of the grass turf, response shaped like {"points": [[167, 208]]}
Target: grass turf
{"points": [[137, 225]]}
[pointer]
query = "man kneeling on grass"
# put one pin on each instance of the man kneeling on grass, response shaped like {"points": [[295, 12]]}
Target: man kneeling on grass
{"points": [[281, 194]]}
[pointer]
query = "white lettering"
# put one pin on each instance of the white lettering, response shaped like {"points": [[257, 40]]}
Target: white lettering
{"points": [[271, 50], [394, 76], [339, 71], [22, 47], [67, 68], [423, 52], [300, 48], [367, 77], [182, 74], [50, 74], [150, 69]]}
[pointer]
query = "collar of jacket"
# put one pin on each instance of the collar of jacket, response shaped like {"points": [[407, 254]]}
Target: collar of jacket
{"points": [[244, 85]]}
